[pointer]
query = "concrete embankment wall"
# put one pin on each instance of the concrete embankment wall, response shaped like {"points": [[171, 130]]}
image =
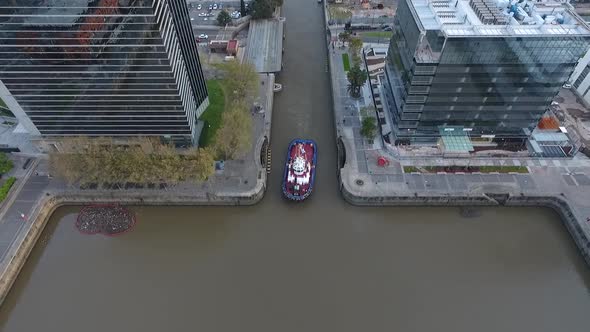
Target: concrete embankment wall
{"points": [[24, 243], [558, 204]]}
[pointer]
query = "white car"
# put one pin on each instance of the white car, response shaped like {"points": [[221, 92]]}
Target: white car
{"points": [[554, 103], [567, 86], [202, 14], [199, 6], [203, 36], [214, 6], [205, 19]]}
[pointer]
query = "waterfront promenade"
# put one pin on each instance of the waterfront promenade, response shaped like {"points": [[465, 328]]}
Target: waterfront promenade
{"points": [[36, 193], [364, 182]]}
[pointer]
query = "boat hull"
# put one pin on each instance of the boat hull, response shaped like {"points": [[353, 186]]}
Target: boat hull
{"points": [[300, 167]]}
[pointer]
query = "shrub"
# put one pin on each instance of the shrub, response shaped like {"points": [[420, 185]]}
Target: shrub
{"points": [[6, 188]]}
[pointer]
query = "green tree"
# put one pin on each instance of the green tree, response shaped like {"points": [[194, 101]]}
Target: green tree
{"points": [[240, 80], [355, 44], [262, 8], [356, 79], [234, 138], [344, 36], [5, 163], [223, 18], [368, 127]]}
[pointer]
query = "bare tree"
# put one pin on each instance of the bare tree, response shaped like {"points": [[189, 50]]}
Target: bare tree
{"points": [[140, 160], [240, 80], [234, 138]]}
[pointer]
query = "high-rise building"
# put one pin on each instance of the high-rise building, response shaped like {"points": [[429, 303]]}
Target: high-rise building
{"points": [[118, 68], [488, 67]]}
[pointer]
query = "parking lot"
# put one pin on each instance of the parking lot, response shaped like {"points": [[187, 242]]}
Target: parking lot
{"points": [[201, 14]]}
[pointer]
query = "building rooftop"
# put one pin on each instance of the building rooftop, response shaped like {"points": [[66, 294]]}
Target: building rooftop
{"points": [[499, 17]]}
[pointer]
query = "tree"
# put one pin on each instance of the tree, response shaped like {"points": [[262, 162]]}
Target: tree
{"points": [[242, 8], [223, 18], [140, 160], [368, 127], [344, 37], [240, 80], [264, 8], [5, 163], [355, 45], [261, 9], [356, 79], [234, 138]]}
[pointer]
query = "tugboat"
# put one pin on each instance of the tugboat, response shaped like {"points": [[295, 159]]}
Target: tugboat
{"points": [[300, 169]]}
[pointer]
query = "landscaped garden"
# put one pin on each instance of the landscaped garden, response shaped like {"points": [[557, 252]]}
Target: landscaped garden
{"points": [[212, 115]]}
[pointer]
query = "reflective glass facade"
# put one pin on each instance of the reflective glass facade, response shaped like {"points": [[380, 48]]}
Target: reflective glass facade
{"points": [[103, 67], [492, 85]]}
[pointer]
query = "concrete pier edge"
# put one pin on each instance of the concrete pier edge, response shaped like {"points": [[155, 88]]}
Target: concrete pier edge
{"points": [[26, 239], [555, 202]]}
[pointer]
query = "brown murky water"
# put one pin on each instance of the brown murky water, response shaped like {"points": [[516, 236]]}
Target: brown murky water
{"points": [[275, 267], [318, 266]]}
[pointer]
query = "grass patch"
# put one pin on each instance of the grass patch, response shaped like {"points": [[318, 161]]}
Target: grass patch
{"points": [[212, 115], [410, 169], [466, 169], [345, 62], [6, 188], [379, 34], [503, 169]]}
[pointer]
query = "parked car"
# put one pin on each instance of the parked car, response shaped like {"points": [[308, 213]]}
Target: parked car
{"points": [[214, 6], [387, 29], [210, 7], [567, 86], [554, 103], [199, 6], [202, 14], [202, 37]]}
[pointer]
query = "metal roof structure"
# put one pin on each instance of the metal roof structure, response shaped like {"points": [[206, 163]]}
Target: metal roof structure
{"points": [[498, 17], [265, 45], [455, 139]]}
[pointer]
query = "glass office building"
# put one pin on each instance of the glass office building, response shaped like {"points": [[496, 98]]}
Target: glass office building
{"points": [[487, 66], [103, 67]]}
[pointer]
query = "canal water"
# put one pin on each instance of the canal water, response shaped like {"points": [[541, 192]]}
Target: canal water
{"points": [[318, 266]]}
